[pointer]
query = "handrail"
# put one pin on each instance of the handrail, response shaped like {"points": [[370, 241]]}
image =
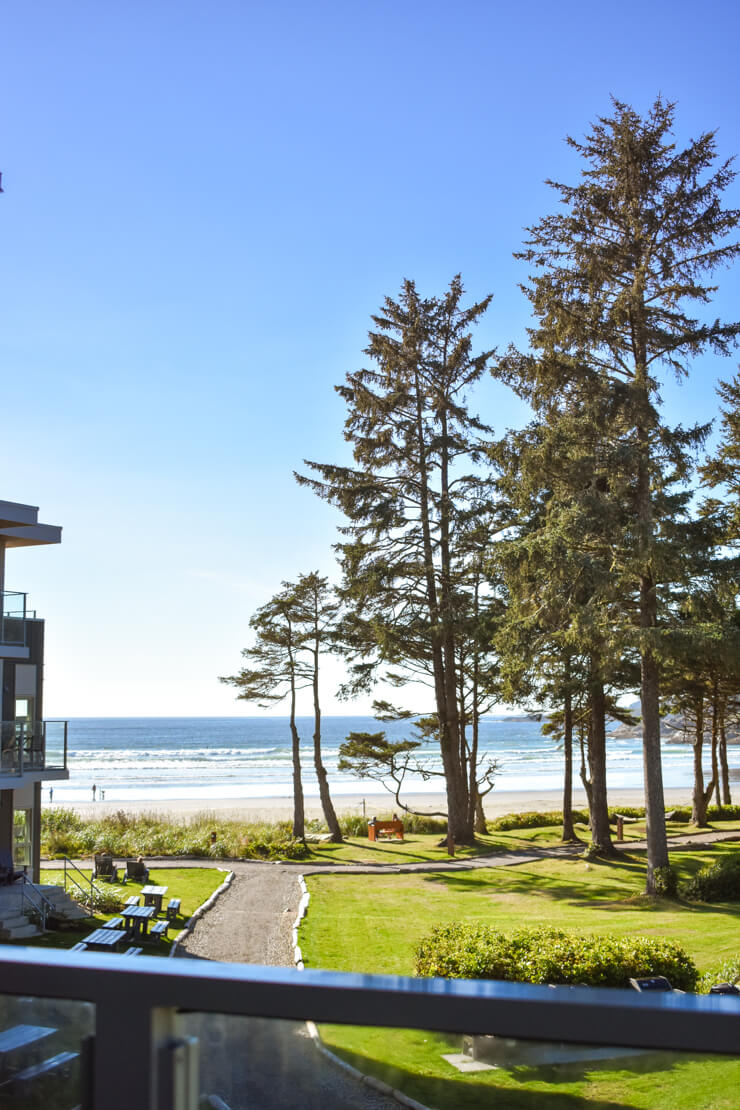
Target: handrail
{"points": [[45, 909], [137, 1001], [79, 882]]}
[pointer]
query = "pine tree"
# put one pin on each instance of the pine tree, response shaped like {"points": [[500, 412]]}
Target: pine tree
{"points": [[614, 276], [415, 447], [315, 609], [274, 672]]}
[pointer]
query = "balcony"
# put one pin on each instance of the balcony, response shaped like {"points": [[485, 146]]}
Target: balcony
{"points": [[13, 620], [159, 1034], [37, 747]]}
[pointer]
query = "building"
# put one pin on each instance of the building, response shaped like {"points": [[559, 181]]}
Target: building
{"points": [[31, 750]]}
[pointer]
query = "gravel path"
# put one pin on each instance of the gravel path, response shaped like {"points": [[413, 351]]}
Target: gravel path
{"points": [[251, 922]]}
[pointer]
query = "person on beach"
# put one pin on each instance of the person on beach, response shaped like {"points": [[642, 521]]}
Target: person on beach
{"points": [[51, 794], [94, 788]]}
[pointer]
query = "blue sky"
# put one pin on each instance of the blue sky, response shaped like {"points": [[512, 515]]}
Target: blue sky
{"points": [[203, 205]]}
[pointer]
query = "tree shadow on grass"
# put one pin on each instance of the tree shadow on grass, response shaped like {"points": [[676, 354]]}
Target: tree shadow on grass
{"points": [[516, 1089]]}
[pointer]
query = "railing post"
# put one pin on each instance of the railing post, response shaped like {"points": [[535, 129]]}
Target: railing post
{"points": [[130, 1036]]}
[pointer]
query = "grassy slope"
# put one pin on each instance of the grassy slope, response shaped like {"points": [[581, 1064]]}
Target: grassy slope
{"points": [[395, 911]]}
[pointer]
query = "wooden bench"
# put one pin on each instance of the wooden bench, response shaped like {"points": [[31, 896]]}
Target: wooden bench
{"points": [[133, 900], [62, 1061], [376, 829], [173, 908], [159, 929], [114, 923], [79, 947], [133, 951]]}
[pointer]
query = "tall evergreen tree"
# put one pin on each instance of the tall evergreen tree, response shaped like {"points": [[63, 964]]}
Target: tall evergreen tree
{"points": [[415, 446], [273, 672], [315, 609], [614, 275]]}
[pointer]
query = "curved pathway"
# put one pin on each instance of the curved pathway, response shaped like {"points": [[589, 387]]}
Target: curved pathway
{"points": [[251, 922]]}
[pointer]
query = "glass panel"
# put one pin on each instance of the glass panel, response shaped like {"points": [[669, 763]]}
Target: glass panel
{"points": [[55, 733], [10, 748], [13, 618], [41, 1042], [22, 838], [249, 1062]]}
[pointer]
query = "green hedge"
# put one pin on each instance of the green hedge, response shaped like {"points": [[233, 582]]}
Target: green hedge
{"points": [[716, 882], [462, 951], [536, 820]]}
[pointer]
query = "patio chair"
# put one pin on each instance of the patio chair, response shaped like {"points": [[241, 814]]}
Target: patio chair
{"points": [[136, 869], [105, 869]]}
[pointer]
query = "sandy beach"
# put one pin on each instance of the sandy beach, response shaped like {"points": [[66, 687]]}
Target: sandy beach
{"points": [[275, 809]]}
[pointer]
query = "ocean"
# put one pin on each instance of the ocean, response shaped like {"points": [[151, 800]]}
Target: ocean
{"points": [[150, 759]]}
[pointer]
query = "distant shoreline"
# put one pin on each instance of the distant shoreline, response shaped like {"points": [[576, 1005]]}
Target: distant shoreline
{"points": [[281, 809]]}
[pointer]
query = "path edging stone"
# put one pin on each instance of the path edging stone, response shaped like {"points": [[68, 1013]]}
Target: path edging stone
{"points": [[196, 916], [313, 1032]]}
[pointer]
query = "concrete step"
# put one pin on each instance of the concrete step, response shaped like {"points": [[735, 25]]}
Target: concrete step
{"points": [[13, 921], [20, 932]]}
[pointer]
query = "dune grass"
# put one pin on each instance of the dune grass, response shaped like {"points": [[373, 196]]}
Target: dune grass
{"points": [[373, 924]]}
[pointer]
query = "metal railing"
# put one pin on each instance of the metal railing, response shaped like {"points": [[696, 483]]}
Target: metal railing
{"points": [[85, 884], [13, 617], [37, 900], [137, 1004], [38, 746]]}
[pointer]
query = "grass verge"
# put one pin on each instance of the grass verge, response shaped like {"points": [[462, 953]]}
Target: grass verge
{"points": [[374, 923]]}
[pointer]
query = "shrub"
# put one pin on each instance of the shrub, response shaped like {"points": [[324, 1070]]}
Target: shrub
{"points": [[107, 899], [462, 951], [716, 882], [724, 813], [666, 882], [727, 972], [535, 820]]}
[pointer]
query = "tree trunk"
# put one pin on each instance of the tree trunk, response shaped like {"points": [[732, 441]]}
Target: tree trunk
{"points": [[584, 777], [601, 839], [299, 820], [698, 797], [326, 802], [715, 746], [726, 795], [569, 832], [655, 834]]}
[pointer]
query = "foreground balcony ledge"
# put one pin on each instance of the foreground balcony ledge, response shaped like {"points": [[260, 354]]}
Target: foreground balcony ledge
{"points": [[582, 1015]]}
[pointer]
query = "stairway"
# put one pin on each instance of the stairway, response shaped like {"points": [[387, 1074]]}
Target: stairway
{"points": [[16, 912], [14, 921], [65, 908]]}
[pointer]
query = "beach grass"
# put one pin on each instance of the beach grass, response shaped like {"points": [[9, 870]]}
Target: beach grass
{"points": [[206, 835], [374, 924], [192, 885]]}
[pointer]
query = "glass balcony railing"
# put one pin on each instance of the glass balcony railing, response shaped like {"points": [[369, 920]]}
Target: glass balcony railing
{"points": [[39, 746], [156, 1034], [13, 618]]}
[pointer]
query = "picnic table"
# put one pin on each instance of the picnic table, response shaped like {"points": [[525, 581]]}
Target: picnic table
{"points": [[137, 918], [20, 1036], [105, 940], [153, 896]]}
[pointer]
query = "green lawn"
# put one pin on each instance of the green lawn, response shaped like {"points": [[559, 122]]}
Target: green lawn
{"points": [[425, 847], [373, 923], [193, 886]]}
